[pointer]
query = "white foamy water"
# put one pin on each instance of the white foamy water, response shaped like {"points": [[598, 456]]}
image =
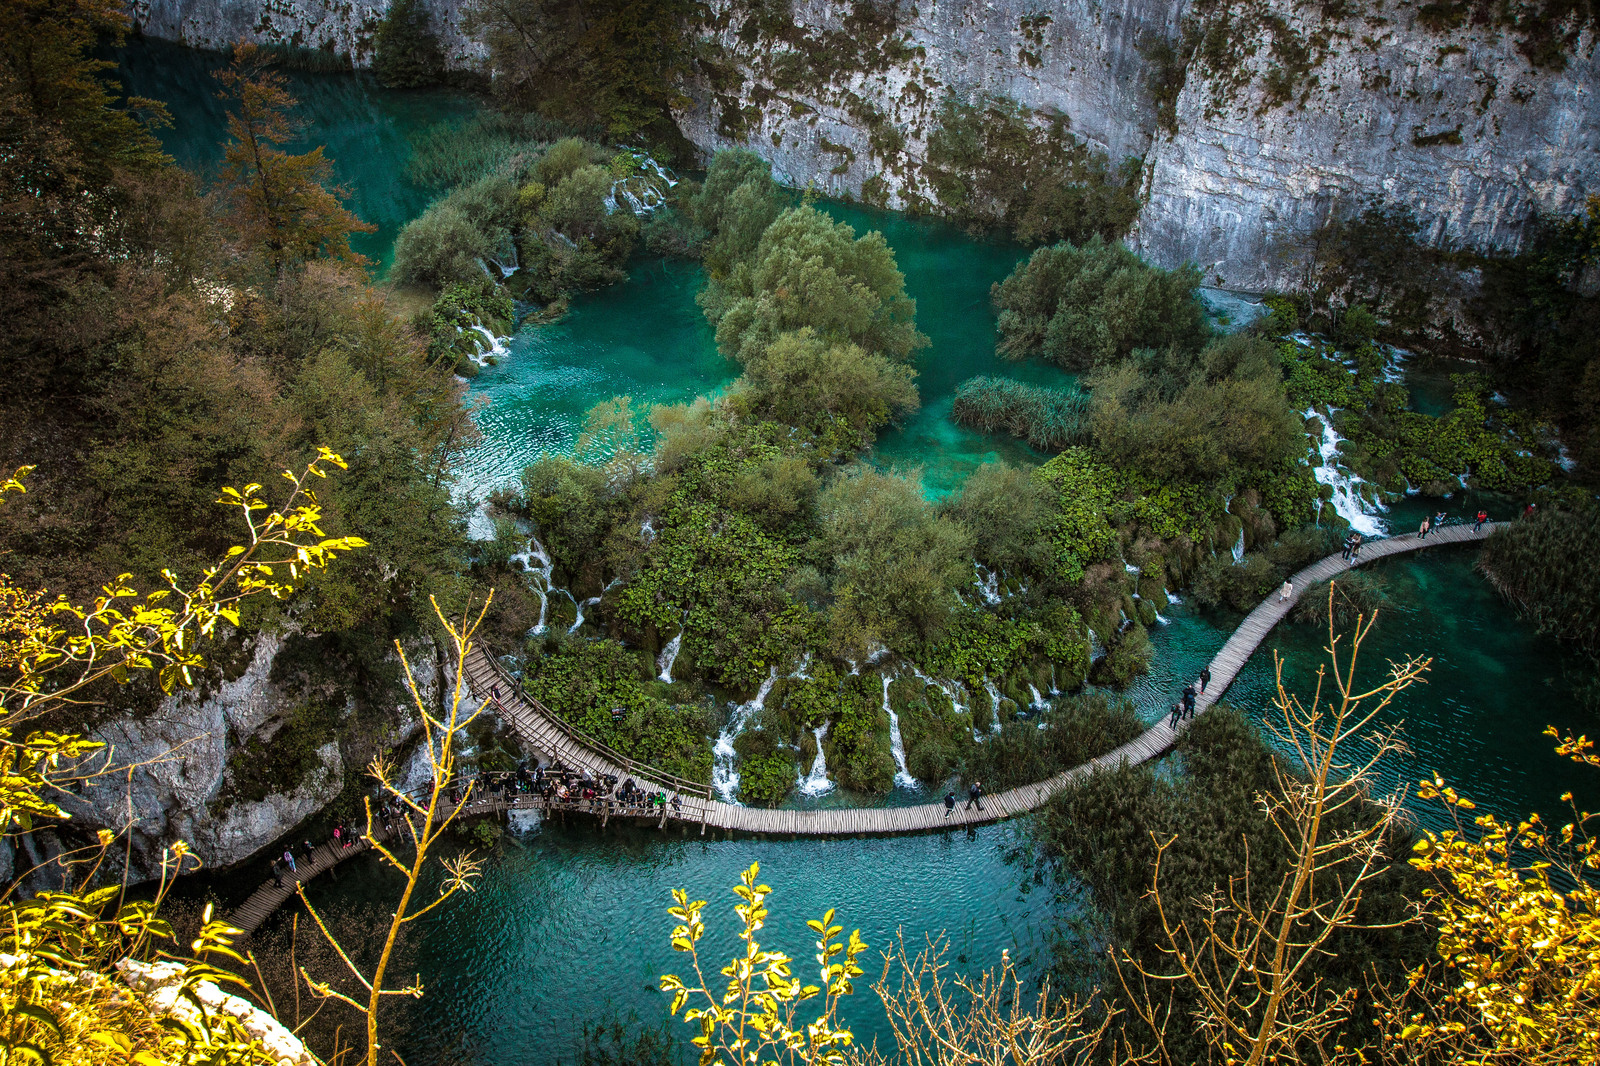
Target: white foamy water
{"points": [[724, 778], [994, 698], [897, 747], [523, 822], [1347, 501], [988, 584], [668, 656], [539, 578], [1238, 548], [816, 783]]}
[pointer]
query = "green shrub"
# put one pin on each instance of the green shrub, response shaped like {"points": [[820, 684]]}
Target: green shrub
{"points": [[1357, 593], [1050, 419], [766, 770], [1544, 566], [839, 394], [1076, 730], [458, 233], [734, 207], [1081, 306], [853, 291], [1128, 655], [857, 744]]}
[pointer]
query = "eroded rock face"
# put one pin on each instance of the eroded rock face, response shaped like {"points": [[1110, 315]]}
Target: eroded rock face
{"points": [[344, 27], [180, 754]]}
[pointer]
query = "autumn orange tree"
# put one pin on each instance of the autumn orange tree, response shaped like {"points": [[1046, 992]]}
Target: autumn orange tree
{"points": [[282, 203]]}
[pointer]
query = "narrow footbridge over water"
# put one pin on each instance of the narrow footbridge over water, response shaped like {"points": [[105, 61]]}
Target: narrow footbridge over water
{"points": [[695, 805]]}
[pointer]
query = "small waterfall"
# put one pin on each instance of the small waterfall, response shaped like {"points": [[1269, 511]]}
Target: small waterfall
{"points": [[1054, 691], [581, 605], [540, 578], [816, 782], [1173, 599], [645, 189], [724, 778], [1348, 500], [994, 698], [1039, 702], [668, 656], [647, 530], [1238, 548], [800, 671], [523, 822], [988, 584], [492, 347], [1097, 648], [902, 777]]}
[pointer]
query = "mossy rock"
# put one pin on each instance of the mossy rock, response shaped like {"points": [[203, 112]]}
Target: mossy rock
{"points": [[1069, 676], [982, 710], [1130, 609], [1153, 589], [1147, 613]]}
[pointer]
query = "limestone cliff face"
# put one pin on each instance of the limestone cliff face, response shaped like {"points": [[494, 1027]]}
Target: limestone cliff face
{"points": [[1462, 130], [182, 751], [340, 26]]}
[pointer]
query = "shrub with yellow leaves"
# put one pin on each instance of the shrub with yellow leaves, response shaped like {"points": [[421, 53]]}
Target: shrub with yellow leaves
{"points": [[1517, 978]]}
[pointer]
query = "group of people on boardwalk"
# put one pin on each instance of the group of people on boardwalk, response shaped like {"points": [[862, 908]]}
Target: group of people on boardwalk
{"points": [[1185, 707]]}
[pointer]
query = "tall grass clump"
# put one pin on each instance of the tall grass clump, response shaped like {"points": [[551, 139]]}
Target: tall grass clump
{"points": [[1050, 419], [455, 153]]}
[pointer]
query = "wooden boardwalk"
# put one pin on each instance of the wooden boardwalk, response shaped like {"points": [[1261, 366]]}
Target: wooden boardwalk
{"points": [[548, 734]]}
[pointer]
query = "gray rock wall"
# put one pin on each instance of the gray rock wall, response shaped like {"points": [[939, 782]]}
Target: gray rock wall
{"points": [[340, 26], [179, 754]]}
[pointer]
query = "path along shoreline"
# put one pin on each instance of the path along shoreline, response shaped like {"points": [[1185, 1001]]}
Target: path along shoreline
{"points": [[548, 733]]}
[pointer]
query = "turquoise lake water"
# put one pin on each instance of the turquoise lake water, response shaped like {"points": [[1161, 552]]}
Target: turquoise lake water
{"points": [[569, 925]]}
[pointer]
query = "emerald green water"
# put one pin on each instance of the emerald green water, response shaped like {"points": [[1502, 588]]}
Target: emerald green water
{"points": [[365, 129], [569, 925]]}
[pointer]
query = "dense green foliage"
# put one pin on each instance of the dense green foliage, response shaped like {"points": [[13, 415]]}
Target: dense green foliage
{"points": [[1050, 419], [1095, 841], [1082, 306], [588, 679], [809, 270], [406, 52], [1545, 566], [992, 162], [545, 206]]}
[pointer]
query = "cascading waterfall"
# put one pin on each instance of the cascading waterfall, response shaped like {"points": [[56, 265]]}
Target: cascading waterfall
{"points": [[1348, 501], [492, 347], [1039, 702], [591, 601], [817, 783], [902, 777], [1238, 548], [540, 578], [994, 699], [724, 778], [523, 822], [668, 656], [645, 189], [988, 584]]}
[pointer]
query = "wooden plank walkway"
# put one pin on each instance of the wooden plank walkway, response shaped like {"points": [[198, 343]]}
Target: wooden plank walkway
{"points": [[549, 734]]}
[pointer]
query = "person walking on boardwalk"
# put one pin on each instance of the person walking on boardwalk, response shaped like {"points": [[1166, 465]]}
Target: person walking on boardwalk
{"points": [[1483, 516], [949, 804], [975, 795], [1349, 546], [277, 873], [1438, 520], [1355, 548], [1176, 716], [1422, 530], [1188, 701], [1205, 678], [308, 850], [288, 860], [1285, 591]]}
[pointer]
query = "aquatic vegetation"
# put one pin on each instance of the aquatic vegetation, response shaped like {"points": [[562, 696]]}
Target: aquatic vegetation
{"points": [[1050, 419], [406, 52], [1544, 566]]}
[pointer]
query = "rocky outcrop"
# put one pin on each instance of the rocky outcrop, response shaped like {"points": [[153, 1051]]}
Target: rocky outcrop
{"points": [[181, 759]]}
